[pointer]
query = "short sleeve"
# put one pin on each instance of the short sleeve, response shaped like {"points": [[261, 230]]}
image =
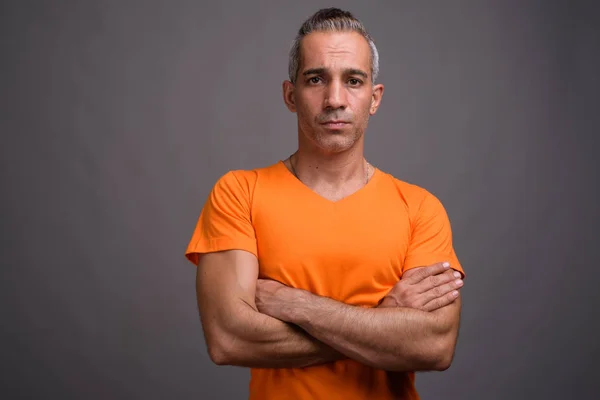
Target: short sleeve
{"points": [[225, 220], [431, 238]]}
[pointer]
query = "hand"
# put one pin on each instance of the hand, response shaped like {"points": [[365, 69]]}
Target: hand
{"points": [[425, 288], [275, 299]]}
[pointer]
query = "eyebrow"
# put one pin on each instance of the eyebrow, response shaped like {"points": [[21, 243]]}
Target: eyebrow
{"points": [[349, 71]]}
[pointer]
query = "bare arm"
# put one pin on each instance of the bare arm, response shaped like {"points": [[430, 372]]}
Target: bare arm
{"points": [[235, 332], [394, 339]]}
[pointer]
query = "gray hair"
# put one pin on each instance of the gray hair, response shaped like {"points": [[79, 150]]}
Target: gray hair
{"points": [[333, 20]]}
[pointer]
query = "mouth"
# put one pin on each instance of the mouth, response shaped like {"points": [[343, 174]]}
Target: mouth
{"points": [[335, 124]]}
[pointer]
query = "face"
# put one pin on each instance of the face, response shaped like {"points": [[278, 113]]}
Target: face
{"points": [[333, 95]]}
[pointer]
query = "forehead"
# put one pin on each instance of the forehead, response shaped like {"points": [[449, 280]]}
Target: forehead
{"points": [[335, 50]]}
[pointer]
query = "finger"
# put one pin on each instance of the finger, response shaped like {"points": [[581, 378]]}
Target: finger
{"points": [[441, 290], [436, 280], [442, 301], [424, 272]]}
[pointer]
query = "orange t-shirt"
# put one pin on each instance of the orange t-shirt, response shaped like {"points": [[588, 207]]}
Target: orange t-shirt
{"points": [[352, 250]]}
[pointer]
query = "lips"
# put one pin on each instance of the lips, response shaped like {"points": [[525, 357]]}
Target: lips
{"points": [[335, 123]]}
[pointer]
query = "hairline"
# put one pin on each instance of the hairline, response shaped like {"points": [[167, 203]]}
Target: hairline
{"points": [[295, 55]]}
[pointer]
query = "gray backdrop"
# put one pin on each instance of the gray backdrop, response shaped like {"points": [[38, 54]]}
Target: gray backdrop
{"points": [[118, 116]]}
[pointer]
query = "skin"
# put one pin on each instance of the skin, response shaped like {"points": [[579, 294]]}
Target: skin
{"points": [[333, 84], [425, 289], [239, 333], [264, 324], [394, 339], [236, 333]]}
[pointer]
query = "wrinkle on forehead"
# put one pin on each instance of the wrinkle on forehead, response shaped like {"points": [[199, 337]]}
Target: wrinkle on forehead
{"points": [[324, 49]]}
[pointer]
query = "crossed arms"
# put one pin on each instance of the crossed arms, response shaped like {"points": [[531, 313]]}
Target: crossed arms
{"points": [[263, 324]]}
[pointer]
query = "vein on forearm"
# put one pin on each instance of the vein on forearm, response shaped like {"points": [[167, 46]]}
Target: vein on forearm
{"points": [[258, 340], [380, 337]]}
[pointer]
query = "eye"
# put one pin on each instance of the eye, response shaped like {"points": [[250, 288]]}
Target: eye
{"points": [[314, 80], [354, 82]]}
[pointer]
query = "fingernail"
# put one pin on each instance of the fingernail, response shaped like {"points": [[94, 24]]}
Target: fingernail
{"points": [[458, 282], [446, 264], [457, 274], [455, 293]]}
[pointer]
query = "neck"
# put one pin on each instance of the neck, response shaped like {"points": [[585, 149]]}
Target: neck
{"points": [[316, 168]]}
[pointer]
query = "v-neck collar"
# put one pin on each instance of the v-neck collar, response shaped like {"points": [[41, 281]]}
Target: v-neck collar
{"points": [[297, 182]]}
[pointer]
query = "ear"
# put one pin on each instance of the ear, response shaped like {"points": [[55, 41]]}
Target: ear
{"points": [[289, 95], [376, 98]]}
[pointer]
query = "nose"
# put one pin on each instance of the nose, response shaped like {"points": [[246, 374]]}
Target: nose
{"points": [[335, 96]]}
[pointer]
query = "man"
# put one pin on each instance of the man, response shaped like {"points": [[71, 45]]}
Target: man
{"points": [[328, 277]]}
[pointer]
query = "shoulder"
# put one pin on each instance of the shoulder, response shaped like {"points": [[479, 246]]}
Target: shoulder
{"points": [[243, 181], [416, 198], [413, 194]]}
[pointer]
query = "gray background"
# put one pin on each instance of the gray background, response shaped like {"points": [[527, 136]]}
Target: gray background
{"points": [[118, 116]]}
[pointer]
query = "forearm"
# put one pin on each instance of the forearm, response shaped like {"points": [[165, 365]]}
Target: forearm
{"points": [[257, 340], [399, 339]]}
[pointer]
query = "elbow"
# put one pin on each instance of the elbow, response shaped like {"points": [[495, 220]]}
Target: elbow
{"points": [[442, 363], [224, 343], [219, 355], [436, 355], [220, 350], [442, 355]]}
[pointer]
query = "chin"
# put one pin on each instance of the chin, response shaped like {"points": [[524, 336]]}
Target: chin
{"points": [[335, 141]]}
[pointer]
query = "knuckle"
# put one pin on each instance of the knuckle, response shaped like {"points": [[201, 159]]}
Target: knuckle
{"points": [[411, 272], [449, 275], [425, 271], [421, 274], [434, 280], [443, 289]]}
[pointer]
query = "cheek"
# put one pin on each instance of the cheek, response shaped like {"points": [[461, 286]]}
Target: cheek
{"points": [[362, 107], [304, 113], [308, 108], [360, 100]]}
